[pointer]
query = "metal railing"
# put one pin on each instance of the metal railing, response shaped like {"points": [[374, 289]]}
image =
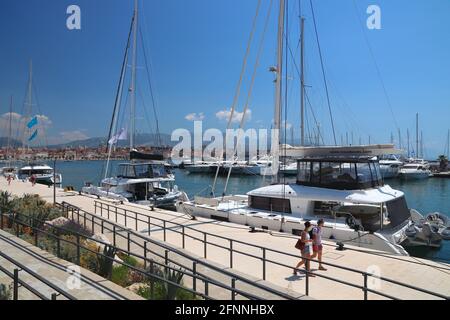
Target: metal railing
{"points": [[112, 212], [19, 283], [131, 238], [149, 264]]}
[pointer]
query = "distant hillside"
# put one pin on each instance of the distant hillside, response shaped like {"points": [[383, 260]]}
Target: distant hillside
{"points": [[145, 139], [13, 143]]}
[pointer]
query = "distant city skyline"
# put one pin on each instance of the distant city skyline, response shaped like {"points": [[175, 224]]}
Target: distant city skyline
{"points": [[378, 79]]}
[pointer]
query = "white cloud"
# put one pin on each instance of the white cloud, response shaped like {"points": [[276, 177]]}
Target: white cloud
{"points": [[195, 117], [237, 116], [19, 123]]}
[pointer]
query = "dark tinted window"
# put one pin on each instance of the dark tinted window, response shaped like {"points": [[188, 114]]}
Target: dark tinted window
{"points": [[271, 204]]}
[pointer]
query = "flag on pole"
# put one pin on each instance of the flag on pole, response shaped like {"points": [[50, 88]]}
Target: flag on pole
{"points": [[33, 136], [32, 123], [121, 135]]}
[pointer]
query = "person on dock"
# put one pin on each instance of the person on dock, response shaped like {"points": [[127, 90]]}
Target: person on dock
{"points": [[304, 244], [317, 243], [9, 178], [33, 180]]}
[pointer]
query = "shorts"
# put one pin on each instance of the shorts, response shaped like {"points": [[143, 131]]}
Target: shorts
{"points": [[317, 248]]}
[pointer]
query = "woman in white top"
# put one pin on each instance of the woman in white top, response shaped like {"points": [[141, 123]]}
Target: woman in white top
{"points": [[306, 249]]}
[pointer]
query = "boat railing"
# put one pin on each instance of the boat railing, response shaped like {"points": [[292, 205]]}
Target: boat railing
{"points": [[18, 282], [266, 256]]}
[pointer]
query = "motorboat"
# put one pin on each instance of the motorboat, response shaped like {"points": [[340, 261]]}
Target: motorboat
{"points": [[415, 171], [348, 193], [42, 173], [390, 167]]}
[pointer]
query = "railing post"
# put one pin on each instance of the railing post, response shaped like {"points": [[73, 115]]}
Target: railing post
{"points": [[205, 246], [84, 214], [149, 225], [136, 221], [78, 215], [152, 282], [194, 279], [307, 283], [264, 263], [116, 216], [16, 284], [231, 253], [101, 209], [184, 240], [54, 295], [233, 287], [93, 224], [164, 229], [95, 207], [78, 249], [1, 219], [128, 241], [365, 286], [206, 288], [145, 254], [114, 235], [166, 260], [125, 218], [108, 215], [103, 226]]}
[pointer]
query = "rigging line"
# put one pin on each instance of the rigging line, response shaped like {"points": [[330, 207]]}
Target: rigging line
{"points": [[388, 100], [158, 134], [147, 118], [306, 94], [120, 85], [250, 91], [44, 132], [286, 86], [323, 71], [244, 65], [239, 85]]}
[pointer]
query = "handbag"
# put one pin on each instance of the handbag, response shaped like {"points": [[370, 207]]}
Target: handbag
{"points": [[300, 245]]}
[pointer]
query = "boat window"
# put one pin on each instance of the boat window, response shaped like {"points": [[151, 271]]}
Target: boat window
{"points": [[142, 171], [304, 170], [270, 204], [315, 172], [159, 171]]}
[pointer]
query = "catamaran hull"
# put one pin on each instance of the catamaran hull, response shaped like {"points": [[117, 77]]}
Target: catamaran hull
{"points": [[389, 243], [414, 175]]}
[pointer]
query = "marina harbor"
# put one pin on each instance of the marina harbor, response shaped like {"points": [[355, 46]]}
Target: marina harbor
{"points": [[232, 159]]}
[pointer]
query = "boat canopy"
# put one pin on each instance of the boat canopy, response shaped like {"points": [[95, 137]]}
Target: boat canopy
{"points": [[135, 155], [294, 191], [142, 170], [339, 173]]}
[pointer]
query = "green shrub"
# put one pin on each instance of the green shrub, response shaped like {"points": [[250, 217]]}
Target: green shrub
{"points": [[5, 292], [120, 276]]}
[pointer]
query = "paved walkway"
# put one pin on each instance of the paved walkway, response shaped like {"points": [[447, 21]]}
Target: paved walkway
{"points": [[47, 266], [421, 273]]}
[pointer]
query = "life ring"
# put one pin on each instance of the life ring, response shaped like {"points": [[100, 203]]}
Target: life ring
{"points": [[435, 217]]}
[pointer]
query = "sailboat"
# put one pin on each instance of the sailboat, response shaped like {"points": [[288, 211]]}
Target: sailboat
{"points": [[9, 170], [41, 172], [145, 179]]}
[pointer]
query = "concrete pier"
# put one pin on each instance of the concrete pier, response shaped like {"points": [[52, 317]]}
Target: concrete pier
{"points": [[421, 273]]}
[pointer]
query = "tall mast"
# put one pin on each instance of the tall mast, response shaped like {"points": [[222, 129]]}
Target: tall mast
{"points": [[399, 139], [302, 88], [278, 94], [29, 107], [10, 128], [133, 79], [417, 135], [448, 144], [407, 134], [421, 144]]}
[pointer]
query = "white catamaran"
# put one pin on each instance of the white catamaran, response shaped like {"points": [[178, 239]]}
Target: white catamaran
{"points": [[145, 179]]}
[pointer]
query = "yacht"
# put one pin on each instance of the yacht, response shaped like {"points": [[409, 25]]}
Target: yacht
{"points": [[390, 167], [43, 173], [203, 167], [417, 170], [144, 180], [348, 193]]}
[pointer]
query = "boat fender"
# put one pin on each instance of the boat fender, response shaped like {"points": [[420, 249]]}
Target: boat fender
{"points": [[445, 234], [435, 217], [412, 231]]}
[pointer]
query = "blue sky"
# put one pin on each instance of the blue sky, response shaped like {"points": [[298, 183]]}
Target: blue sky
{"points": [[197, 48]]}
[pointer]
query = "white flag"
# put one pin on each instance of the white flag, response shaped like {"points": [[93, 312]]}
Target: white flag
{"points": [[122, 135]]}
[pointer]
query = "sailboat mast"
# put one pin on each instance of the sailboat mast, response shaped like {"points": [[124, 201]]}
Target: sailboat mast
{"points": [[278, 94], [407, 138], [29, 102], [133, 79], [417, 135], [448, 144], [10, 128], [302, 85]]}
